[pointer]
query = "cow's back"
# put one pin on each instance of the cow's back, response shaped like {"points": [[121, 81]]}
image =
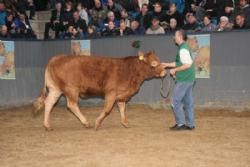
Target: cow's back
{"points": [[89, 75]]}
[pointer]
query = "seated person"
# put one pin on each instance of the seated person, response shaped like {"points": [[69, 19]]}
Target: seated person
{"points": [[155, 27]]}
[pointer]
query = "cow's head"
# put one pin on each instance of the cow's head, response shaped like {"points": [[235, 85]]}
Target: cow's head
{"points": [[154, 67]]}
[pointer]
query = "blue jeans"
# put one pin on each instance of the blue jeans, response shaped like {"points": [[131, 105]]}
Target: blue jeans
{"points": [[182, 103]]}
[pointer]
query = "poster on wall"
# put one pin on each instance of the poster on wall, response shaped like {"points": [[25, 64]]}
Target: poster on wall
{"points": [[80, 47], [200, 48], [7, 60]]}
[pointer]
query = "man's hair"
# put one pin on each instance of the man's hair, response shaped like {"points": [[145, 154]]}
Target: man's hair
{"points": [[183, 34]]}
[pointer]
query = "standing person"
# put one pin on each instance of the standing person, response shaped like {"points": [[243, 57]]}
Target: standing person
{"points": [[183, 71]]}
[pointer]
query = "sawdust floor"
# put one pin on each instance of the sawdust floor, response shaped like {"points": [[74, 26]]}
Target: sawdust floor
{"points": [[221, 138]]}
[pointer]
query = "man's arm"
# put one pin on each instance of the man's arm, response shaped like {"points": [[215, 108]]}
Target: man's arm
{"points": [[169, 65]]}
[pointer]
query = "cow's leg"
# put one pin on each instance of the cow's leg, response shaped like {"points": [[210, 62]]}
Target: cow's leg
{"points": [[50, 100], [122, 109], [73, 106], [108, 104]]}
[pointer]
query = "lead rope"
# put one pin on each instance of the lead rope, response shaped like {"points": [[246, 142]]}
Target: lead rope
{"points": [[168, 87]]}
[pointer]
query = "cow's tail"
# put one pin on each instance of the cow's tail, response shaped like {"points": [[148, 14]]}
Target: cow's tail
{"points": [[39, 102]]}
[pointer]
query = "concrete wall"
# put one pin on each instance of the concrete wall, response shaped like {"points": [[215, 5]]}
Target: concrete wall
{"points": [[228, 83]]}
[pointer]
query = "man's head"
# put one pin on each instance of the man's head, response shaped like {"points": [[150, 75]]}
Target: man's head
{"points": [[134, 24], [111, 25], [2, 6], [76, 15], [240, 20], [58, 6], [243, 3], [206, 20], [144, 8], [173, 23], [157, 7], [180, 36], [155, 22], [191, 19], [4, 30], [98, 3], [110, 3], [223, 21], [111, 16], [172, 7], [122, 24]]}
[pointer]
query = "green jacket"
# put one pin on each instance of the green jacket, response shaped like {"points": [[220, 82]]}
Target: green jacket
{"points": [[187, 75]]}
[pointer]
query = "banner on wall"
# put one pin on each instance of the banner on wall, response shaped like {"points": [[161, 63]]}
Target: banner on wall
{"points": [[80, 47], [200, 48], [7, 60]]}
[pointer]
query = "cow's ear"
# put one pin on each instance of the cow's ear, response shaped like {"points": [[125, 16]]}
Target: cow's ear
{"points": [[141, 55]]}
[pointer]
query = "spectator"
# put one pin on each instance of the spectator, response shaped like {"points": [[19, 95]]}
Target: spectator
{"points": [[83, 12], [10, 23], [128, 5], [142, 2], [240, 22], [199, 11], [23, 27], [92, 33], [2, 13], [144, 18], [155, 27], [158, 12], [244, 8], [115, 8], [55, 21], [172, 26], [110, 30], [79, 24], [4, 32], [67, 15], [125, 17], [31, 7], [96, 21], [72, 33], [180, 5], [111, 17], [100, 10], [89, 4], [173, 13], [210, 7], [123, 29], [207, 25], [224, 24], [192, 24], [136, 29]]}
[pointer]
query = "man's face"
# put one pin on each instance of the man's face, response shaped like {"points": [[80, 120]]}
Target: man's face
{"points": [[177, 37], [110, 2], [172, 8], [111, 25], [242, 3], [239, 20], [191, 19], [155, 22], [134, 25], [2, 6], [98, 4], [58, 6], [76, 15], [206, 21], [173, 23], [144, 9], [157, 8]]}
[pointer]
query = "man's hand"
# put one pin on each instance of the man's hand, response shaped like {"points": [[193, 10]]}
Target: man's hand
{"points": [[173, 72], [168, 65]]}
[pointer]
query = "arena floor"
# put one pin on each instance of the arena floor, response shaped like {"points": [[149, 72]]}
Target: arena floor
{"points": [[221, 139]]}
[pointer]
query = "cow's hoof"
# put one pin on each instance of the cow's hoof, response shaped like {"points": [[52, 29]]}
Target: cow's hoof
{"points": [[97, 125], [88, 125], [125, 124], [48, 128]]}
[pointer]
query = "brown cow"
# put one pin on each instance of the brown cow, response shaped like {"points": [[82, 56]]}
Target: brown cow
{"points": [[116, 79]]}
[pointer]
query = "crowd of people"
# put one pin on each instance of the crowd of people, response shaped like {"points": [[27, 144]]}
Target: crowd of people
{"points": [[79, 19]]}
